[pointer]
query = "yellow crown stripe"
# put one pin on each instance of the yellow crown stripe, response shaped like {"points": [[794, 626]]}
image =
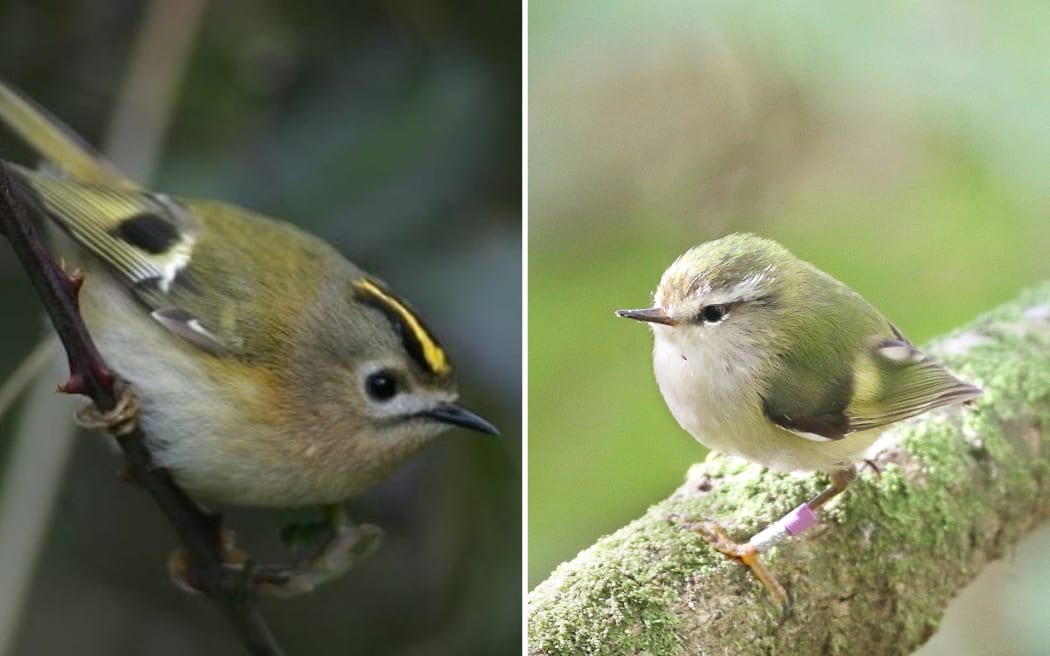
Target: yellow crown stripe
{"points": [[432, 352]]}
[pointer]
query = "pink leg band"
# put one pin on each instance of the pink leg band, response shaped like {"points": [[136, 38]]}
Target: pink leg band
{"points": [[799, 519], [791, 524]]}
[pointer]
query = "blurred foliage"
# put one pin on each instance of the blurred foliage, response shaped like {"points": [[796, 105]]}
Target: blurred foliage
{"points": [[393, 130], [901, 147]]}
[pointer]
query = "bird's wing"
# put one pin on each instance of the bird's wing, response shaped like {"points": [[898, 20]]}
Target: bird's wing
{"points": [[146, 240], [890, 381], [898, 381]]}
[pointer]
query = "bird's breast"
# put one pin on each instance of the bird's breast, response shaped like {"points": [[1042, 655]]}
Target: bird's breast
{"points": [[711, 393], [715, 394]]}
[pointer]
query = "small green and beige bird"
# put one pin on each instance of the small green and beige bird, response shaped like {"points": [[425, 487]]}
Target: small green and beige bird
{"points": [[270, 371], [763, 356]]}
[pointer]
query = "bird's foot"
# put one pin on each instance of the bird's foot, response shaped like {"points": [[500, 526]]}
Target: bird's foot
{"points": [[328, 549], [745, 553], [180, 569], [119, 422]]}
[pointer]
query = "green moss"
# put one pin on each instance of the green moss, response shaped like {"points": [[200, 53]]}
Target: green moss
{"points": [[628, 602]]}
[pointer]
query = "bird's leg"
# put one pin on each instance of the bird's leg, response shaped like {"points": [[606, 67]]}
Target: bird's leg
{"points": [[793, 523], [804, 516], [330, 547], [840, 480]]}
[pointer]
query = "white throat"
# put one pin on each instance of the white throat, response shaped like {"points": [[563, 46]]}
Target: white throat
{"points": [[708, 384]]}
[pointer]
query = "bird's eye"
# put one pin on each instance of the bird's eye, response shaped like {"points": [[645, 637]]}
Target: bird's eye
{"points": [[713, 313], [381, 386]]}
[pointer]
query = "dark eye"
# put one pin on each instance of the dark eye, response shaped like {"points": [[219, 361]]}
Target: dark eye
{"points": [[713, 313], [381, 386]]}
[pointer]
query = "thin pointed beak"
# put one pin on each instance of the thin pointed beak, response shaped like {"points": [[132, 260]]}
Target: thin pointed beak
{"points": [[450, 413], [650, 315]]}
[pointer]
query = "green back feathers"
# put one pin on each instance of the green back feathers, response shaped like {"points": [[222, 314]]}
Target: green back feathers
{"points": [[202, 268], [194, 265], [848, 369], [251, 277], [197, 265]]}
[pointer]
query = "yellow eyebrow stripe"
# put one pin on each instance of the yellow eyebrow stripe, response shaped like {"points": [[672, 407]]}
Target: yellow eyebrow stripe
{"points": [[433, 354]]}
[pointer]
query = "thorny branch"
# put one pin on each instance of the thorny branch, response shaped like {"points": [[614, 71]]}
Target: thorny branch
{"points": [[199, 530]]}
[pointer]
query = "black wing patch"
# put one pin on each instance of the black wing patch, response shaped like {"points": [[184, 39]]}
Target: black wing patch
{"points": [[149, 232], [829, 427]]}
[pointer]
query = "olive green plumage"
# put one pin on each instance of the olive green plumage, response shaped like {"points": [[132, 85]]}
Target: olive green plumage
{"points": [[762, 355], [197, 256], [271, 371]]}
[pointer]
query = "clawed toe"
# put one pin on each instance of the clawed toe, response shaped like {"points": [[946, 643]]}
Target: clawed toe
{"points": [[330, 558], [119, 422], [745, 553], [180, 570], [333, 558]]}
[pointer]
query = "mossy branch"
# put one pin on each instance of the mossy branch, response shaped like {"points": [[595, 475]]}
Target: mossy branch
{"points": [[958, 487]]}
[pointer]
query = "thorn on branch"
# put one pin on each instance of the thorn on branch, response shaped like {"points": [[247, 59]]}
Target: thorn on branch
{"points": [[76, 281], [73, 385]]}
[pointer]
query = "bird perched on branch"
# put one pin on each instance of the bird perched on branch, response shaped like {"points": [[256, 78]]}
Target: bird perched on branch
{"points": [[268, 369]]}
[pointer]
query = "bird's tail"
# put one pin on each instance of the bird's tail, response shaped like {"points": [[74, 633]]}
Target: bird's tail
{"points": [[56, 143]]}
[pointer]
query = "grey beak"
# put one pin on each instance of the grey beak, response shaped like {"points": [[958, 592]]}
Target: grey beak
{"points": [[650, 315], [450, 413]]}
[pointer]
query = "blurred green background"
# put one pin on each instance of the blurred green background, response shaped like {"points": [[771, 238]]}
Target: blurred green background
{"points": [[392, 129], [902, 147]]}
